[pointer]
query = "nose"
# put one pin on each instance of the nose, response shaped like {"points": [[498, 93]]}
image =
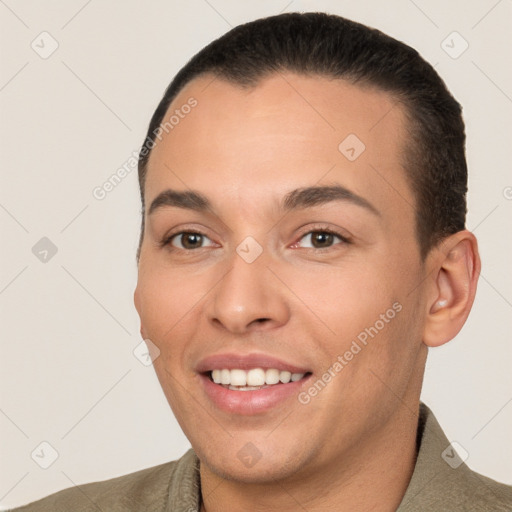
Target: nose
{"points": [[248, 297]]}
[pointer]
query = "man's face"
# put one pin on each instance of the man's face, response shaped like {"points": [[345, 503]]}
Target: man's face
{"points": [[337, 279]]}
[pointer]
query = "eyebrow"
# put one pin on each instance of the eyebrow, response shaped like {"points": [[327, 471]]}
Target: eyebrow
{"points": [[297, 199]]}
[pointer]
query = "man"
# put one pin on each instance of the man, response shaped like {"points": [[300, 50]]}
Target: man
{"points": [[303, 244]]}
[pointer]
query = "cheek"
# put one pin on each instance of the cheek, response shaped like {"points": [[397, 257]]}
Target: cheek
{"points": [[164, 297], [346, 299], [166, 300], [363, 310]]}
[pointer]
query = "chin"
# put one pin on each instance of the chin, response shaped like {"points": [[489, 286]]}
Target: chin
{"points": [[250, 464]]}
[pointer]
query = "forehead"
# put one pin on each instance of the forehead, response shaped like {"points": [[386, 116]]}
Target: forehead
{"points": [[254, 143]]}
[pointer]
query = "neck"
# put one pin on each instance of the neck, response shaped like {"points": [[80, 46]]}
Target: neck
{"points": [[373, 476]]}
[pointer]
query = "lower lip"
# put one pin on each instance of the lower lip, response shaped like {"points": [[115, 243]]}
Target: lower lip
{"points": [[251, 402]]}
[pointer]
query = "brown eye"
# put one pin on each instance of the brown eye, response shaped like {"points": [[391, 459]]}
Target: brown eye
{"points": [[189, 240], [321, 240]]}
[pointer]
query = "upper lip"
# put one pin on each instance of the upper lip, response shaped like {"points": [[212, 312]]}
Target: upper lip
{"points": [[233, 361]]}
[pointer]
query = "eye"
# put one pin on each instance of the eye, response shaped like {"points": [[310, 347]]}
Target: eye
{"points": [[321, 239], [188, 240]]}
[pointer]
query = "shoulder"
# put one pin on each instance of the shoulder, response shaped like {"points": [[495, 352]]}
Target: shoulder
{"points": [[460, 490], [482, 493], [441, 481], [149, 490]]}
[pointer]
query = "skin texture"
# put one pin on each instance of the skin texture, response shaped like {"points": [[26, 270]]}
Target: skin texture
{"points": [[352, 447]]}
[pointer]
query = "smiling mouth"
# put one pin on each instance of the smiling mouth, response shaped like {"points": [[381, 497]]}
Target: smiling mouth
{"points": [[253, 379]]}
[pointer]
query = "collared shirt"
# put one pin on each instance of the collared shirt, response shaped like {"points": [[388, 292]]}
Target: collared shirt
{"points": [[441, 482]]}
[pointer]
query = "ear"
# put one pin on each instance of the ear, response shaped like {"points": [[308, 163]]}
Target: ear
{"points": [[456, 268]]}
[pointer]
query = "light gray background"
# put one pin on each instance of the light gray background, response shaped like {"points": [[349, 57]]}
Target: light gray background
{"points": [[69, 327]]}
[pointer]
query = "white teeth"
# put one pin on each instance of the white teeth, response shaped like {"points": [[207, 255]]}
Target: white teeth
{"points": [[285, 377], [242, 380], [238, 378], [225, 377], [271, 376], [256, 377]]}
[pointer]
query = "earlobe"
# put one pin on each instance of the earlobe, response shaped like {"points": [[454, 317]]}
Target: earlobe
{"points": [[455, 277]]}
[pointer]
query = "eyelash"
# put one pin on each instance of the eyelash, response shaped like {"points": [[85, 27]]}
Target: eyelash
{"points": [[166, 242]]}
